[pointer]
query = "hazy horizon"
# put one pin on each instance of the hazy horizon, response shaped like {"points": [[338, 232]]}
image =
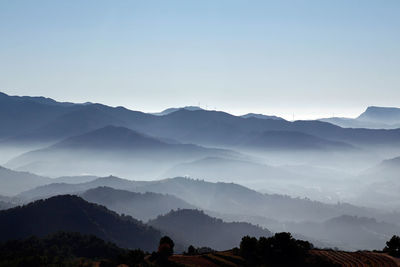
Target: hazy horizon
{"points": [[312, 114], [312, 59], [107, 159]]}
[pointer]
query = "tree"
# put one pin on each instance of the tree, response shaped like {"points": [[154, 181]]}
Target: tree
{"points": [[191, 250], [248, 248], [165, 249], [393, 246], [279, 250]]}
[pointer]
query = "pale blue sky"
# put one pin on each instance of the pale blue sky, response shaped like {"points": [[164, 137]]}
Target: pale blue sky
{"points": [[311, 58]]}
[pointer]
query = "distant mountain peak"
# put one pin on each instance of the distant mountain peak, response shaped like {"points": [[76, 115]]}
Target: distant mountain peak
{"points": [[171, 110], [374, 117], [371, 108], [261, 116], [388, 115]]}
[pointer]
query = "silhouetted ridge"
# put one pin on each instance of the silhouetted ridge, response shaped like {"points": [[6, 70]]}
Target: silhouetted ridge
{"points": [[143, 206], [111, 149], [22, 114], [37, 99], [35, 120], [111, 137], [83, 119], [291, 140], [195, 227], [73, 214], [14, 182]]}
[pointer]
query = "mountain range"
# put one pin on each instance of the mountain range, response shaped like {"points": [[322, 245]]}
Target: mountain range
{"points": [[228, 201], [223, 198], [95, 138], [49, 121], [69, 213], [82, 149], [111, 149]]}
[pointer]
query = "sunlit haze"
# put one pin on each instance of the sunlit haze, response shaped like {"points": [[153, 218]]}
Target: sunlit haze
{"points": [[308, 58]]}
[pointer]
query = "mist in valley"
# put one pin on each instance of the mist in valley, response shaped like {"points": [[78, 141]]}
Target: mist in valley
{"points": [[337, 187], [199, 133]]}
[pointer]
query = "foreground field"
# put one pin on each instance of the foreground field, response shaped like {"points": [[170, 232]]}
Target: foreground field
{"points": [[359, 258], [210, 259], [341, 258]]}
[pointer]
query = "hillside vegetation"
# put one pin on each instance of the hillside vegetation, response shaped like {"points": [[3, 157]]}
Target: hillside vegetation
{"points": [[73, 214]]}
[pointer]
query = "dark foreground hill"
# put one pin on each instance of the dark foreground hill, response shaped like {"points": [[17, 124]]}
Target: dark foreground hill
{"points": [[74, 249], [196, 228], [66, 249], [73, 214]]}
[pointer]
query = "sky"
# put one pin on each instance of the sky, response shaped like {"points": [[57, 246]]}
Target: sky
{"points": [[307, 59]]}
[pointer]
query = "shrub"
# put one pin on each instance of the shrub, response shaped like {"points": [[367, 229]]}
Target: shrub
{"points": [[393, 246], [279, 250]]}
